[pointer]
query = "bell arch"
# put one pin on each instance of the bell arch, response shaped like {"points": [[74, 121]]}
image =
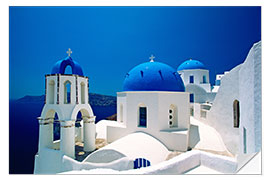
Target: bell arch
{"points": [[88, 130], [51, 92], [67, 92], [82, 92]]}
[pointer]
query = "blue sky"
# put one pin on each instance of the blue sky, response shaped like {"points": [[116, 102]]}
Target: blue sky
{"points": [[109, 41]]}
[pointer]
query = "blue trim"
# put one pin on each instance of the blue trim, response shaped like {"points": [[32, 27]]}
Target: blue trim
{"points": [[60, 66]]}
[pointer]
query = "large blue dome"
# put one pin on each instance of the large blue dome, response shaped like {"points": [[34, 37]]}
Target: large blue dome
{"points": [[60, 66], [153, 76], [191, 64]]}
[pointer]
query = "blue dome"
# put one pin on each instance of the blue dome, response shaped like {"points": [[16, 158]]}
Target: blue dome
{"points": [[60, 66], [153, 76], [191, 64]]}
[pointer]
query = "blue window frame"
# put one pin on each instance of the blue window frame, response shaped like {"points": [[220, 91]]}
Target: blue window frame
{"points": [[142, 117]]}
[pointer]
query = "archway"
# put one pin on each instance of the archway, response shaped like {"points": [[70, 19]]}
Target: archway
{"points": [[82, 93], [236, 114], [51, 92], [84, 132], [67, 92]]}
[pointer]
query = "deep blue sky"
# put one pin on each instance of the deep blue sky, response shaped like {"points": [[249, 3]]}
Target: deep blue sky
{"points": [[109, 41]]}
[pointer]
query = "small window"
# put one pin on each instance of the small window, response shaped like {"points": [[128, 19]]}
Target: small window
{"points": [[191, 98], [170, 111], [204, 79], [191, 79], [142, 117], [236, 113]]}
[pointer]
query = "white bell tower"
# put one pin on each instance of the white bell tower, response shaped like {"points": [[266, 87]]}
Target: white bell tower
{"points": [[66, 96]]}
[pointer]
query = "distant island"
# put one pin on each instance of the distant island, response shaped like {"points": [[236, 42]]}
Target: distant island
{"points": [[94, 99]]}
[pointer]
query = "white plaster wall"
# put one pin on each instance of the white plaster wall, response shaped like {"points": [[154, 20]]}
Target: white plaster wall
{"points": [[185, 162], [250, 100], [220, 115], [50, 161], [135, 145], [198, 77], [157, 104], [243, 83]]}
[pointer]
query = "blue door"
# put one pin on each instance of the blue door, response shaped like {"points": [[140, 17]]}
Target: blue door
{"points": [[141, 162]]}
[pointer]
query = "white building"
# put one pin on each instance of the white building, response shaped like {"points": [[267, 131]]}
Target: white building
{"points": [[153, 101], [196, 79], [236, 110], [66, 96]]}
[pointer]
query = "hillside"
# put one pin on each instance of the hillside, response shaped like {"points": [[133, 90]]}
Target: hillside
{"points": [[95, 99]]}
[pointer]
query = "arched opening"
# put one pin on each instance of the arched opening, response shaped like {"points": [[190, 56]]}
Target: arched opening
{"points": [[141, 162], [236, 114], [84, 134], [121, 113], [56, 128], [51, 92], [52, 131], [173, 116], [142, 116], [82, 93], [67, 93], [68, 70]]}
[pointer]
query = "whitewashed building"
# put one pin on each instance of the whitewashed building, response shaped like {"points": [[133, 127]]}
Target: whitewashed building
{"points": [[153, 101], [66, 97]]}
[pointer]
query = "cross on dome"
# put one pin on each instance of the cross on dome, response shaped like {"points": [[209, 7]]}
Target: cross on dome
{"points": [[152, 58], [69, 51]]}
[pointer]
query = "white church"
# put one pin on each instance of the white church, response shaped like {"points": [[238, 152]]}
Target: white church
{"points": [[168, 121]]}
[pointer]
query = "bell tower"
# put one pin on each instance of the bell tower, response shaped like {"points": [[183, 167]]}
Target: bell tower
{"points": [[66, 97]]}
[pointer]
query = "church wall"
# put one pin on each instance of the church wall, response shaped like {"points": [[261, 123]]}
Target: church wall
{"points": [[220, 115], [181, 101], [250, 100]]}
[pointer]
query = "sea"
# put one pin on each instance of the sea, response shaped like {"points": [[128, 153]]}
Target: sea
{"points": [[23, 133]]}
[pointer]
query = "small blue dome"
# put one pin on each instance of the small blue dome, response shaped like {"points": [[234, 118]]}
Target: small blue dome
{"points": [[60, 66], [191, 64], [153, 76]]}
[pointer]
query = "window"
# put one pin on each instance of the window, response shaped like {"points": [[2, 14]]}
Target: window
{"points": [[121, 113], [142, 116], [82, 93], [245, 139], [51, 92], [67, 93], [236, 114], [191, 79], [191, 98], [204, 79]]}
